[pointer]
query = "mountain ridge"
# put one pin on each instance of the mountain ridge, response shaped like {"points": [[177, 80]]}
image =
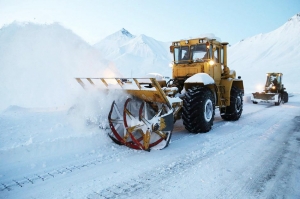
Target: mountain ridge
{"points": [[140, 53], [276, 50], [41, 61]]}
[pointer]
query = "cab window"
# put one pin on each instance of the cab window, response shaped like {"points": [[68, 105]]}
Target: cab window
{"points": [[181, 54], [217, 55], [199, 52]]}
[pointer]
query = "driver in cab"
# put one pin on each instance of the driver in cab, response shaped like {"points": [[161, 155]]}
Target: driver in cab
{"points": [[186, 56]]}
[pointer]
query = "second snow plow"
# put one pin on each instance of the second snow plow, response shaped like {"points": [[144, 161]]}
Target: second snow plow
{"points": [[274, 91], [201, 82]]}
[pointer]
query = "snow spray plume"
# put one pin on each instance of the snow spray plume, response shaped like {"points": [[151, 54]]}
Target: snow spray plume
{"points": [[93, 106]]}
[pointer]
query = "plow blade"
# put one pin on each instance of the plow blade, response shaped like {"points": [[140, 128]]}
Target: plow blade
{"points": [[264, 97], [143, 122]]}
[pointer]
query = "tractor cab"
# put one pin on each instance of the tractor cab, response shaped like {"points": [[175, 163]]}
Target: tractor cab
{"points": [[194, 53], [274, 82]]}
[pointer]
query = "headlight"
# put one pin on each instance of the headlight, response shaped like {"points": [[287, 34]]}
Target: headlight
{"points": [[273, 87], [211, 62], [259, 87]]}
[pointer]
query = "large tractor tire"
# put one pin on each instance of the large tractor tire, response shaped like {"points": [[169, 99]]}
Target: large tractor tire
{"points": [[198, 110], [234, 111], [285, 97]]}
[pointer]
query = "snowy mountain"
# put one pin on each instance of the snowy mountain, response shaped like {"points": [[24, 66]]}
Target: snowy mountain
{"points": [[109, 46], [136, 55], [276, 51], [252, 58], [38, 64]]}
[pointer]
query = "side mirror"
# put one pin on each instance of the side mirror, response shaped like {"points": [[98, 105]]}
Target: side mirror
{"points": [[171, 49]]}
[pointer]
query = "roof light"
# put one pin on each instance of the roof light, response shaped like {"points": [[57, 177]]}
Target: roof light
{"points": [[211, 62], [186, 41]]}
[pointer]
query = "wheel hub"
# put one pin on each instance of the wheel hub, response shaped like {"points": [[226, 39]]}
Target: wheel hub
{"points": [[208, 113]]}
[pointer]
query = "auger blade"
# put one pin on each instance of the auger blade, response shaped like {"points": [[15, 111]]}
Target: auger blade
{"points": [[142, 126]]}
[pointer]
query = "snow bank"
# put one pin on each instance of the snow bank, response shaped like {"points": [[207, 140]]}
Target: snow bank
{"points": [[38, 64]]}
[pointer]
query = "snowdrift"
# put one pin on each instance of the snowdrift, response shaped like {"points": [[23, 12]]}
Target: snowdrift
{"points": [[38, 64]]}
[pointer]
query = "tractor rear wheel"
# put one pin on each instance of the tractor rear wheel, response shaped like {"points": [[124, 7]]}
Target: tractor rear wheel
{"points": [[198, 109], [285, 97], [234, 111]]}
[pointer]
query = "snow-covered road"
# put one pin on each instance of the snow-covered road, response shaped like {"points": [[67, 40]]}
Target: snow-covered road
{"points": [[45, 154]]}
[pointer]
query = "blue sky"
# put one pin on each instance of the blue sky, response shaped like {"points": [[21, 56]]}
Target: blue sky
{"points": [[163, 20]]}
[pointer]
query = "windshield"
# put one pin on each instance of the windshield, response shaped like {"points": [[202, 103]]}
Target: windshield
{"points": [[273, 80], [199, 52], [182, 54]]}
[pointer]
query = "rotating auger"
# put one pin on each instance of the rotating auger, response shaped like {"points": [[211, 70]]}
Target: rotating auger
{"points": [[146, 120], [140, 126]]}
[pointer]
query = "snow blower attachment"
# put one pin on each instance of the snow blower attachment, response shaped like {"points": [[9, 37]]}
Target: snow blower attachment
{"points": [[201, 82], [145, 121]]}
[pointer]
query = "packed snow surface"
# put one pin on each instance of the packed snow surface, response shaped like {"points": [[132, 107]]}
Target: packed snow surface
{"points": [[63, 154]]}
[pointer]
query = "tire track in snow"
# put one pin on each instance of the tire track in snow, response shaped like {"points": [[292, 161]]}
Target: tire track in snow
{"points": [[274, 183], [270, 151], [27, 180], [161, 175], [240, 189], [214, 147], [46, 175]]}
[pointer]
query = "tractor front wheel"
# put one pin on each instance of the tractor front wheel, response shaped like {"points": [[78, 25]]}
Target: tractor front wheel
{"points": [[198, 110], [279, 100]]}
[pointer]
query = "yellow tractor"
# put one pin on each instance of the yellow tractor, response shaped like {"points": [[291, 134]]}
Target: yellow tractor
{"points": [[274, 91], [200, 83]]}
